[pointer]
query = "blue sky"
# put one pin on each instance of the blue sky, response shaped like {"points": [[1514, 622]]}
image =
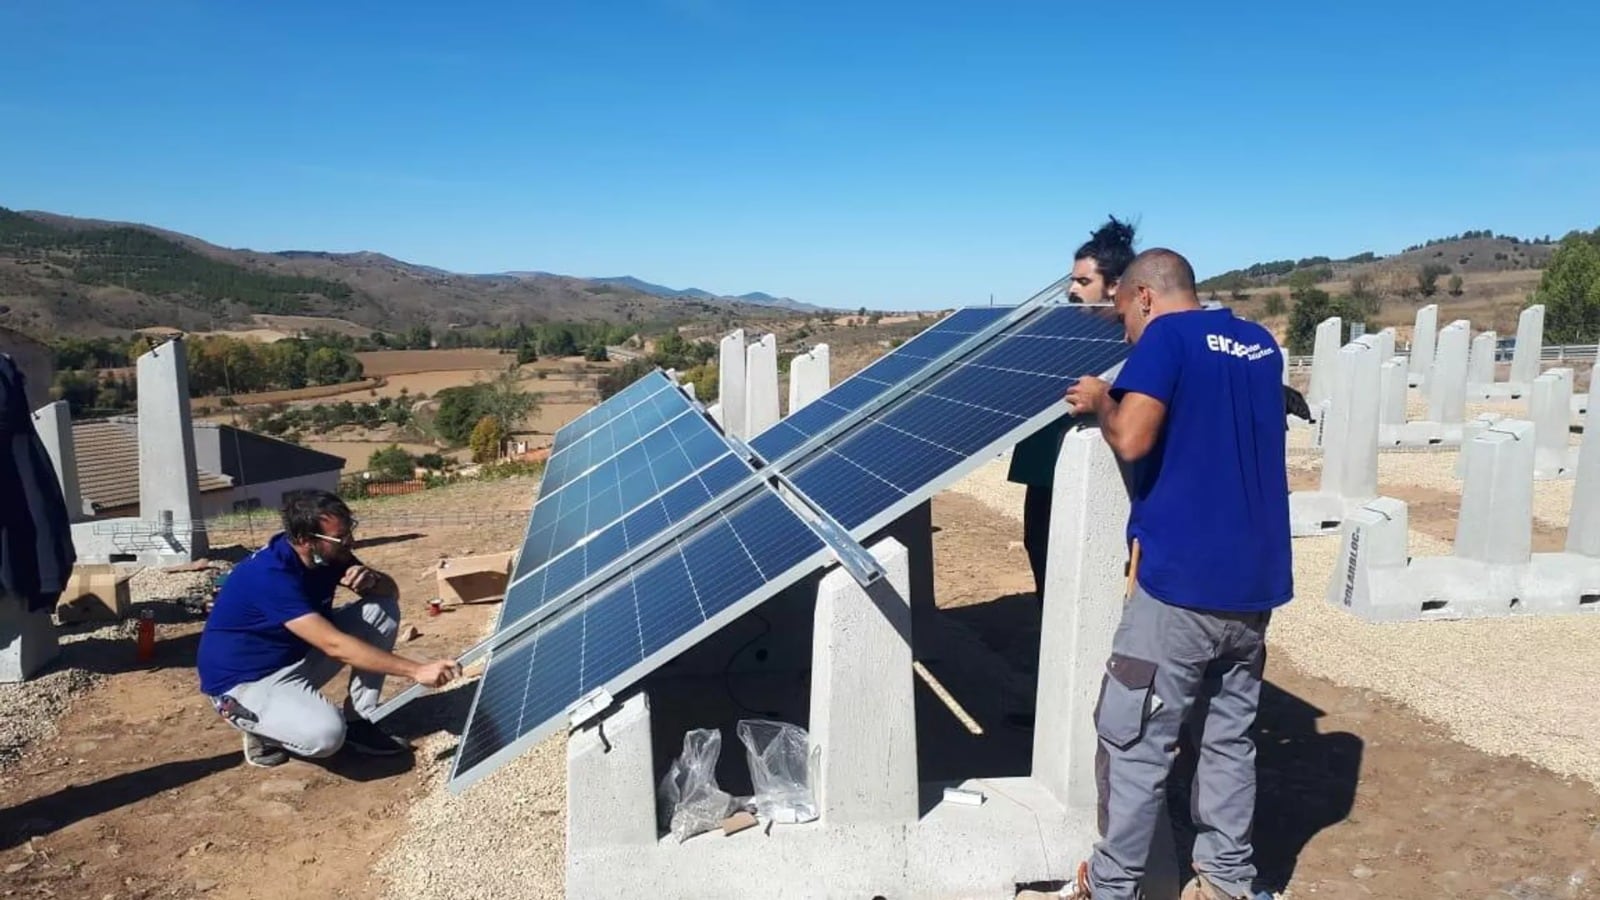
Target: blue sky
{"points": [[894, 155]]}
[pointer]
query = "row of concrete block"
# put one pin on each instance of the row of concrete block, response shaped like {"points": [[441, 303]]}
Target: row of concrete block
{"points": [[747, 383]]}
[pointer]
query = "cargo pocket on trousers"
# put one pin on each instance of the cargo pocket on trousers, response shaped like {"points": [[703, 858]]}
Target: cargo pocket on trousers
{"points": [[1124, 697]]}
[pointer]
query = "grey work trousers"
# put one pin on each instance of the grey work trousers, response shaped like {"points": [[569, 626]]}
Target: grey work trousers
{"points": [[287, 707], [1165, 662]]}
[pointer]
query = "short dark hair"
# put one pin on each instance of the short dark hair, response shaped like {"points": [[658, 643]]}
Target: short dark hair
{"points": [[303, 511], [1165, 270], [1111, 248]]}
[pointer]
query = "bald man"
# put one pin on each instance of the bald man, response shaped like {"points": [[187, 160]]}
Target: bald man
{"points": [[1196, 416]]}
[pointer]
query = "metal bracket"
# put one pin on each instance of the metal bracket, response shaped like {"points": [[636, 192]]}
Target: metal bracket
{"points": [[589, 706], [856, 559]]}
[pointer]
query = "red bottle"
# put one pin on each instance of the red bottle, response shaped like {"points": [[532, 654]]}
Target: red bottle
{"points": [[147, 634]]}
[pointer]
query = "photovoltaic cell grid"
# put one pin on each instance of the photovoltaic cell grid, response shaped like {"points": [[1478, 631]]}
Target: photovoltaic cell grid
{"points": [[626, 426], [613, 405], [655, 516], [617, 486], [862, 387], [902, 448], [759, 543]]}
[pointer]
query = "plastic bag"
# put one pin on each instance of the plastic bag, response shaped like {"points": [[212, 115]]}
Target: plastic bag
{"points": [[779, 770], [688, 800]]}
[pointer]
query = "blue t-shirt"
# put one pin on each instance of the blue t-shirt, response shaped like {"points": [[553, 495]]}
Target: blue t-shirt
{"points": [[1210, 503], [244, 638]]}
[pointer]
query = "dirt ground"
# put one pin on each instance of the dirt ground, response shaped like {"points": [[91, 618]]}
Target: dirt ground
{"points": [[142, 793]]}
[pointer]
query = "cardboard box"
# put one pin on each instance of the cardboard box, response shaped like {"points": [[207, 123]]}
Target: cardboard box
{"points": [[96, 592], [475, 579]]}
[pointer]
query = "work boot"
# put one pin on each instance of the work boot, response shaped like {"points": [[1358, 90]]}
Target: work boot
{"points": [[1077, 889], [370, 739], [262, 753], [1202, 888]]}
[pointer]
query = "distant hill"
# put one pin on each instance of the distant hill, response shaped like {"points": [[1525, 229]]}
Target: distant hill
{"points": [[63, 275], [758, 298], [1473, 252]]}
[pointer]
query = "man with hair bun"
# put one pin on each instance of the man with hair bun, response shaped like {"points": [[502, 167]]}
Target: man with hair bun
{"points": [[1096, 267]]}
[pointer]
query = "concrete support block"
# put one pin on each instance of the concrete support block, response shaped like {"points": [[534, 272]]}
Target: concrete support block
{"points": [[611, 792], [715, 412], [1324, 360], [808, 377], [53, 422], [1496, 520], [731, 383], [1392, 384], [863, 729], [1583, 527], [1386, 343], [1530, 345], [168, 492], [1372, 553], [1550, 410], [1350, 459], [1084, 587], [1423, 335], [1447, 382], [27, 640], [1480, 362], [761, 386]]}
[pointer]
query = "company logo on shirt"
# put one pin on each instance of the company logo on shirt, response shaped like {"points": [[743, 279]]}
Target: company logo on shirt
{"points": [[1221, 343]]}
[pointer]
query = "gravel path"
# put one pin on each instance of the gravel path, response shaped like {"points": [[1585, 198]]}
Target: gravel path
{"points": [[1520, 686]]}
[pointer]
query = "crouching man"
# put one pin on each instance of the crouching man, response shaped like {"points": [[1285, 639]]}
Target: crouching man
{"points": [[274, 639]]}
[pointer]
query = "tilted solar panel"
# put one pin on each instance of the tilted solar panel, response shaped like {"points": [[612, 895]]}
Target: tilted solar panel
{"points": [[625, 426], [611, 406], [618, 485], [1014, 381], [854, 392], [648, 613]]}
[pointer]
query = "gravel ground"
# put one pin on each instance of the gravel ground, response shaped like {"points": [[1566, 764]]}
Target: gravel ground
{"points": [[503, 837], [1518, 686]]}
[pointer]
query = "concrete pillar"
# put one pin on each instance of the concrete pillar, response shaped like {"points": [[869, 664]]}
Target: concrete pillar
{"points": [[761, 386], [27, 640], [1583, 526], [688, 389], [1447, 384], [167, 487], [611, 791], [1386, 343], [731, 383], [1422, 340], [1530, 344], [1550, 410], [1084, 589], [1374, 539], [53, 422], [1392, 385], [1324, 359], [1496, 519], [715, 412], [1480, 364], [863, 729], [1350, 445], [808, 377]]}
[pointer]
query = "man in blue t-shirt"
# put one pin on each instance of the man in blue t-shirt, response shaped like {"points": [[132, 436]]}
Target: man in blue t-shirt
{"points": [[1197, 418], [274, 638]]}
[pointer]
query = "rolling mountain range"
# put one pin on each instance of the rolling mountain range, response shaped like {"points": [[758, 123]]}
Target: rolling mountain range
{"points": [[64, 275]]}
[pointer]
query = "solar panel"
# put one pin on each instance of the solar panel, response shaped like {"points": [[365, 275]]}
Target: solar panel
{"points": [[861, 388], [658, 607], [627, 425], [597, 416], [989, 399], [617, 485]]}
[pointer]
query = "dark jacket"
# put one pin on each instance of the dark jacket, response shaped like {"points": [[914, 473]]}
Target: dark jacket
{"points": [[36, 553]]}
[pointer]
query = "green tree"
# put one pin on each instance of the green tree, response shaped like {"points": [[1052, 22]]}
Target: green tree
{"points": [[487, 437], [392, 462], [1570, 292], [527, 353], [1364, 295], [1272, 304], [1311, 306], [460, 408], [1455, 285], [1428, 278], [325, 365]]}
